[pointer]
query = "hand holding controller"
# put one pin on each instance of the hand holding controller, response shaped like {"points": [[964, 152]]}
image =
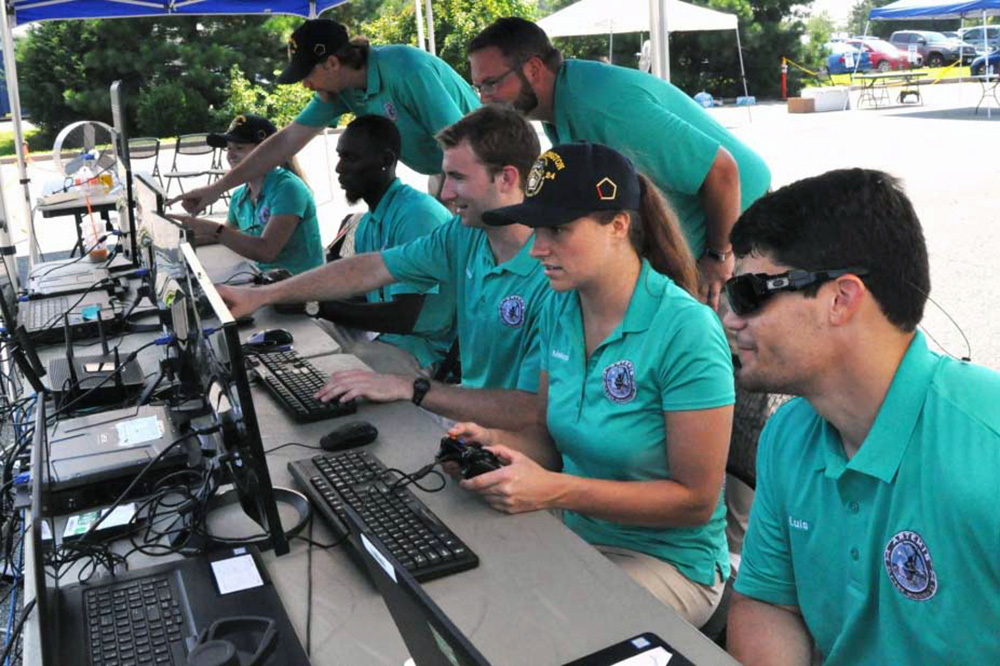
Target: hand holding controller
{"points": [[471, 457]]}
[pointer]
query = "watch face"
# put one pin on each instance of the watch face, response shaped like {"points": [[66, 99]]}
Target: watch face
{"points": [[312, 308]]}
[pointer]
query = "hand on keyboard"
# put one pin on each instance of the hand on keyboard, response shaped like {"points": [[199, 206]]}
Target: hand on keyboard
{"points": [[372, 386]]}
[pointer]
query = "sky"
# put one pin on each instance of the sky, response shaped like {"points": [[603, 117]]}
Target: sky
{"points": [[838, 10]]}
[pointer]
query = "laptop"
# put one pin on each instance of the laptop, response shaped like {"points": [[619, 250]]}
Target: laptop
{"points": [[43, 319], [430, 637], [65, 276], [154, 615]]}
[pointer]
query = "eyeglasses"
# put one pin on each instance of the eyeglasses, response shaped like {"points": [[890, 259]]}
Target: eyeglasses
{"points": [[489, 86], [748, 292]]}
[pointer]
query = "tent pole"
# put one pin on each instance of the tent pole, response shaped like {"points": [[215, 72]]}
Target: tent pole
{"points": [[10, 65], [743, 74], [430, 29], [659, 39], [857, 63], [312, 9], [418, 13]]}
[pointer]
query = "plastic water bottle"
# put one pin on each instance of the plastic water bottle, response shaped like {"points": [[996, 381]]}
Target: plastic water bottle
{"points": [[704, 99], [746, 101]]}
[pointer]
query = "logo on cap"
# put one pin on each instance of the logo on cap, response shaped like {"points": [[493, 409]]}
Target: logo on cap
{"points": [[237, 121], [292, 47], [607, 190], [545, 168]]}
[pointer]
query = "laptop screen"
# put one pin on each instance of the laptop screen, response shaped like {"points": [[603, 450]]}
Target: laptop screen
{"points": [[431, 638]]}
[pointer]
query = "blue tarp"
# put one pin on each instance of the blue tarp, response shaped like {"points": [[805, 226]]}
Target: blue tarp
{"points": [[935, 9], [26, 11]]}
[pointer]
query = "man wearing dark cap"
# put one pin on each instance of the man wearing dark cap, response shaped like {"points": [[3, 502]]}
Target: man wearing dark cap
{"points": [[416, 90], [272, 219]]}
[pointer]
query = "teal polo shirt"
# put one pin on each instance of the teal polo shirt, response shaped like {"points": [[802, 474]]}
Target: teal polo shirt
{"points": [[282, 193], [501, 303], [402, 215], [891, 556], [419, 92], [664, 132], [605, 413]]}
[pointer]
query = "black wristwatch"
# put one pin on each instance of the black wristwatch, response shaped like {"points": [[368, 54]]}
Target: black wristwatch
{"points": [[718, 256], [420, 388]]}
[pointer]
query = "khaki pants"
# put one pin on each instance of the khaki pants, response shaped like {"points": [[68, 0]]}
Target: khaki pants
{"points": [[693, 601], [378, 356]]}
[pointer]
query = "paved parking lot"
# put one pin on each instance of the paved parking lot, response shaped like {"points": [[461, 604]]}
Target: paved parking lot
{"points": [[948, 158]]}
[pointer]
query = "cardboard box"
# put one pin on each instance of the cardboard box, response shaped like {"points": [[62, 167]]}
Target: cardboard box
{"points": [[801, 105]]}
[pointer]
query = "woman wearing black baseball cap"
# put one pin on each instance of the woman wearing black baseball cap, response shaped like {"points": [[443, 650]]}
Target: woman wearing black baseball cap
{"points": [[272, 219], [637, 382]]}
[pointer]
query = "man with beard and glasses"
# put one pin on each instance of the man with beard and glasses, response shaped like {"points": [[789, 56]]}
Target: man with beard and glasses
{"points": [[416, 326], [500, 289], [708, 176], [874, 533], [417, 91]]}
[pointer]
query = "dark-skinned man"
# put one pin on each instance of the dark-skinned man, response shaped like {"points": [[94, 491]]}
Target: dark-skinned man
{"points": [[416, 326]]}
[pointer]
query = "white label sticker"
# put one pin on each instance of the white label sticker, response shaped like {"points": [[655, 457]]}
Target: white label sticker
{"points": [[384, 563], [655, 657], [139, 431], [236, 573]]}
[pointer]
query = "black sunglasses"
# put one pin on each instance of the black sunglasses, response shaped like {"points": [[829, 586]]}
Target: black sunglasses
{"points": [[748, 292]]}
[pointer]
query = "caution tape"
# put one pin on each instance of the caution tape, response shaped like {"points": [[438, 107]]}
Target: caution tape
{"points": [[798, 66], [942, 73]]}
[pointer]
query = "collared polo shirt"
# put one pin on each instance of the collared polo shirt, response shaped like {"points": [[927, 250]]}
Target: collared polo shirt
{"points": [[404, 214], [499, 303], [892, 555], [419, 92], [606, 413], [668, 137], [281, 193]]}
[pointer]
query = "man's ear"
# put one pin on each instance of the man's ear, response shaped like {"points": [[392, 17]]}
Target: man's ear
{"points": [[509, 178], [389, 159], [847, 294]]}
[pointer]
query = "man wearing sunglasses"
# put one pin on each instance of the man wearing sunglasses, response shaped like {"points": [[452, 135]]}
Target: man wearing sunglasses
{"points": [[706, 173], [417, 91], [873, 535]]}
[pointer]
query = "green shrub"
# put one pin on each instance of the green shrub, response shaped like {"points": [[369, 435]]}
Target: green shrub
{"points": [[170, 109]]}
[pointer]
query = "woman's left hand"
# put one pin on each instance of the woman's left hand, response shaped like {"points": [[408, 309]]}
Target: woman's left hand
{"points": [[519, 486]]}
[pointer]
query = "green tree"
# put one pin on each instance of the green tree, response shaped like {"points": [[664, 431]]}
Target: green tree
{"points": [[456, 22], [176, 68], [278, 103]]}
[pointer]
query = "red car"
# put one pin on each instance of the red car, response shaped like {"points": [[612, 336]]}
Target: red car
{"points": [[884, 56]]}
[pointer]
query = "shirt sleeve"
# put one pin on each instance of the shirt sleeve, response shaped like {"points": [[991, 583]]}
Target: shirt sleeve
{"points": [[663, 146], [429, 100], [417, 221], [319, 113], [290, 197], [766, 571], [697, 372], [426, 261], [231, 218]]}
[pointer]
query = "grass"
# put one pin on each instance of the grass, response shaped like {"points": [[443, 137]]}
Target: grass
{"points": [[7, 142]]}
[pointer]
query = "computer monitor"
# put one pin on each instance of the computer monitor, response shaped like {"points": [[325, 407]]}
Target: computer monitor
{"points": [[126, 214], [219, 362], [39, 503], [430, 637]]}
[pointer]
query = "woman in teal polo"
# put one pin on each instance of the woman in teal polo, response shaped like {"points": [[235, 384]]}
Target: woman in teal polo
{"points": [[272, 219], [636, 380]]}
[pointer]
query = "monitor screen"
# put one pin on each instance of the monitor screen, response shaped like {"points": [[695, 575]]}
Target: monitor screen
{"points": [[126, 213], [218, 360]]}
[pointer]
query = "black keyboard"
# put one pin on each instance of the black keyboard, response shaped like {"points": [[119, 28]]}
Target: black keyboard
{"points": [[414, 535], [293, 381], [138, 623]]}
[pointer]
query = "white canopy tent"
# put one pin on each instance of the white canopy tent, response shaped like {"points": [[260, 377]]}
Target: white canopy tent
{"points": [[658, 17]]}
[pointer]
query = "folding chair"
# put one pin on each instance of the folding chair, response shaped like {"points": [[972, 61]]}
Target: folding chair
{"points": [[144, 148], [190, 161]]}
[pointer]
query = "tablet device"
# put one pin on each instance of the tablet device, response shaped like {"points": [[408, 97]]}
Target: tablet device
{"points": [[646, 649]]}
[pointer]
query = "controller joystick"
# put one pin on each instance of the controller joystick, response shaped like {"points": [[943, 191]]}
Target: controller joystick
{"points": [[471, 457]]}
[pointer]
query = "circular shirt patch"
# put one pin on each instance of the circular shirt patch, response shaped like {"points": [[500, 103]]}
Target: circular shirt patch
{"points": [[263, 215], [512, 311], [619, 382], [390, 111], [908, 563]]}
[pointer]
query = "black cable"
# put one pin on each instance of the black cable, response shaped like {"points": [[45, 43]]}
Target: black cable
{"points": [[304, 446], [93, 247], [229, 279], [54, 320], [16, 633]]}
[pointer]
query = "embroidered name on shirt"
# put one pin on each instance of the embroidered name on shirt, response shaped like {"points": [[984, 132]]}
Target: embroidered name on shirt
{"points": [[562, 356], [797, 524]]}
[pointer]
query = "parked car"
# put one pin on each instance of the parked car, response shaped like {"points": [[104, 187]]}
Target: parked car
{"points": [[974, 36], [844, 59], [884, 56], [933, 48], [978, 66]]}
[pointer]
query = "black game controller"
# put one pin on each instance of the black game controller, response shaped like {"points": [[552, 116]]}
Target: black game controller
{"points": [[471, 457]]}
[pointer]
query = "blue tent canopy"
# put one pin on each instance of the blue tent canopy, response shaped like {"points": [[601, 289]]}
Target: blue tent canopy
{"points": [[935, 9], [27, 11]]}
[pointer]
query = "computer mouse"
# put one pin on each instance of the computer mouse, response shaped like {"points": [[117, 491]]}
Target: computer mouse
{"points": [[272, 337], [349, 436]]}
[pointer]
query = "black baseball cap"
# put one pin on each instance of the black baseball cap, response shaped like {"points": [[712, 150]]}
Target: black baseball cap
{"points": [[312, 43], [570, 181], [245, 128]]}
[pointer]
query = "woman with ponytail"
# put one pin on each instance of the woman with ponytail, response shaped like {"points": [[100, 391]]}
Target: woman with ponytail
{"points": [[636, 382]]}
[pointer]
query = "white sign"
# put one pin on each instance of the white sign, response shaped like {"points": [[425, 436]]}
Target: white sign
{"points": [[912, 53], [849, 60]]}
